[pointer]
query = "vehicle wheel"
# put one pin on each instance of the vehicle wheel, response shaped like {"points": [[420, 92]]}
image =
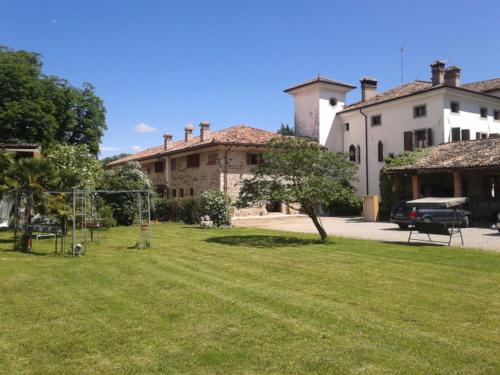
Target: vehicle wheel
{"points": [[465, 222], [403, 226], [427, 220]]}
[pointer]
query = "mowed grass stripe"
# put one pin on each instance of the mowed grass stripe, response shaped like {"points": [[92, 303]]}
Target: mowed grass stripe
{"points": [[200, 303]]}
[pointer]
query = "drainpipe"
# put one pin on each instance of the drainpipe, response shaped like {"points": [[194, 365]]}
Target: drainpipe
{"points": [[366, 150]]}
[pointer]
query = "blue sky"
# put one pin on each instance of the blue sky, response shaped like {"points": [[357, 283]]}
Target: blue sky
{"points": [[168, 63]]}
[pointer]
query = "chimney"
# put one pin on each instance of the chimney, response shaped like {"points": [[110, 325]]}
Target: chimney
{"points": [[188, 132], [204, 131], [437, 70], [167, 141], [368, 88], [452, 76]]}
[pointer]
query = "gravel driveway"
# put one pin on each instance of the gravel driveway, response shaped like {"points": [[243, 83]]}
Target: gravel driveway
{"points": [[355, 227]]}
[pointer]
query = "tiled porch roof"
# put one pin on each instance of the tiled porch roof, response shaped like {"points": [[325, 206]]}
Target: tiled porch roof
{"points": [[482, 153]]}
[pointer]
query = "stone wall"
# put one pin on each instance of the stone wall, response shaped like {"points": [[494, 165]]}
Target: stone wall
{"points": [[200, 179]]}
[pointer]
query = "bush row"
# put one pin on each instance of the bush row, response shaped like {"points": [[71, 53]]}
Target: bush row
{"points": [[189, 210]]}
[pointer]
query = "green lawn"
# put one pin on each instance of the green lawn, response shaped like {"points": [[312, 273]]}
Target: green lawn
{"points": [[248, 301]]}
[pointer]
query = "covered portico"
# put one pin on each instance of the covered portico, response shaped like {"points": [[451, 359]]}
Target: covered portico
{"points": [[459, 169]]}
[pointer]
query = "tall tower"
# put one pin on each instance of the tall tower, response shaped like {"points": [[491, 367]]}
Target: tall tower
{"points": [[316, 104]]}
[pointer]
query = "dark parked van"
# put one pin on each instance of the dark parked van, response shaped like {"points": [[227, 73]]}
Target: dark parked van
{"points": [[403, 215]]}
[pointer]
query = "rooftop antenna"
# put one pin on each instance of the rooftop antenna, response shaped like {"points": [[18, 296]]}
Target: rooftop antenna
{"points": [[402, 51]]}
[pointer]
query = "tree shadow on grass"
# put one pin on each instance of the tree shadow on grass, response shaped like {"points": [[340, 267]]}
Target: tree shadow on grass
{"points": [[32, 252], [261, 241]]}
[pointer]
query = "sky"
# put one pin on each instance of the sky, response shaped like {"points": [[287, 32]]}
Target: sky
{"points": [[159, 65]]}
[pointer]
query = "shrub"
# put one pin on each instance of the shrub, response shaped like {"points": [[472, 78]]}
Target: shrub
{"points": [[190, 210], [129, 176], [186, 210], [107, 219], [216, 205], [351, 206]]}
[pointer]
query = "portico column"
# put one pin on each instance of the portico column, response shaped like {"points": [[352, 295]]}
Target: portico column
{"points": [[457, 184], [415, 186]]}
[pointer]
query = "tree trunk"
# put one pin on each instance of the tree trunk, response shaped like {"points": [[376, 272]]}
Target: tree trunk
{"points": [[319, 227]]}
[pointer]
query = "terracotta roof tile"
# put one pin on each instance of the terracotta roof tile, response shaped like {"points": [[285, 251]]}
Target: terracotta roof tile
{"points": [[482, 153], [237, 135], [320, 79], [484, 86], [403, 90], [415, 87]]}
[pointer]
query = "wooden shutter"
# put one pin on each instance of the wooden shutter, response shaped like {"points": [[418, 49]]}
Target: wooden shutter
{"points": [[478, 135], [430, 141], [465, 134], [408, 141]]}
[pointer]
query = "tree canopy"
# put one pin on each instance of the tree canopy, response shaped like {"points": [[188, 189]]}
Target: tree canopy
{"points": [[298, 171], [286, 129], [75, 166], [128, 176], [37, 108]]}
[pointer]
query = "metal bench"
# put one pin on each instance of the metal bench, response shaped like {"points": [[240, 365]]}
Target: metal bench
{"points": [[441, 229]]}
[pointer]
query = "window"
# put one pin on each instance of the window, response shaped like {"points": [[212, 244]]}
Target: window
{"points": [[496, 115], [380, 149], [174, 193], [376, 120], [465, 134], [181, 193], [455, 134], [420, 111], [212, 159], [254, 159], [421, 138], [358, 154], [352, 153], [483, 112], [159, 166], [346, 125], [480, 135], [193, 161], [191, 192], [408, 141], [455, 107], [173, 164]]}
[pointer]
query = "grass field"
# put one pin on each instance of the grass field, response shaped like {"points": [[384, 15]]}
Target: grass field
{"points": [[248, 301]]}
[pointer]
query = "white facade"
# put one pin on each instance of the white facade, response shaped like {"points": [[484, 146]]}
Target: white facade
{"points": [[316, 118]]}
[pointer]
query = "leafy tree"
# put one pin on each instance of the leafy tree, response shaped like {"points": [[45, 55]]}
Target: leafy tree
{"points": [[125, 177], [76, 166], [36, 108], [109, 159], [299, 171], [6, 160], [286, 129]]}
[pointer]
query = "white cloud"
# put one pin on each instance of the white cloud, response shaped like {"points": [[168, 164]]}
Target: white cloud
{"points": [[110, 148], [144, 128], [136, 148]]}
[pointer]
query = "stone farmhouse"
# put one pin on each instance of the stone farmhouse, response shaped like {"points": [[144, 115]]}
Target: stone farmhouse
{"points": [[414, 115], [214, 160]]}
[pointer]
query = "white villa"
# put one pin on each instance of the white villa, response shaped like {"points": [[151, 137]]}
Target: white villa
{"points": [[413, 115]]}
